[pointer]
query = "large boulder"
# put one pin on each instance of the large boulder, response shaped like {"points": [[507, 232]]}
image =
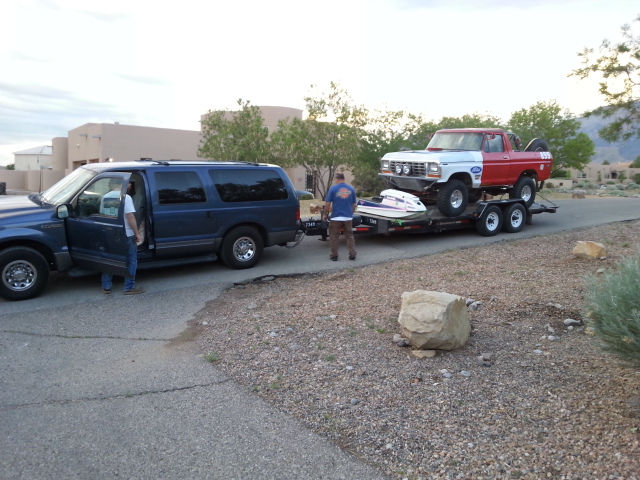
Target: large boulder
{"points": [[590, 250], [434, 320]]}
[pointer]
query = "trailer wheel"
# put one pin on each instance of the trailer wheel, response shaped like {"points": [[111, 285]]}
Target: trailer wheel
{"points": [[24, 271], [525, 188], [491, 222], [453, 197], [515, 216], [242, 248]]}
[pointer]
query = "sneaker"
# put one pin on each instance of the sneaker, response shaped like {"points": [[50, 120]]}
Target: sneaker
{"points": [[106, 291], [352, 257], [335, 259], [134, 291]]}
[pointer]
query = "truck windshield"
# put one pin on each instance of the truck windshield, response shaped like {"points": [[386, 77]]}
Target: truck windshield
{"points": [[65, 189], [456, 141]]}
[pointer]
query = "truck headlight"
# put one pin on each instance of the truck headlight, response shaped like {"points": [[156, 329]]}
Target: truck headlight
{"points": [[433, 168], [399, 168], [406, 169], [385, 164]]}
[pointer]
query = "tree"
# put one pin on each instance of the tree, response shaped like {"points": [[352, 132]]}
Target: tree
{"points": [[330, 136], [619, 66], [559, 129], [386, 131], [11, 166], [635, 163], [228, 136], [606, 162]]}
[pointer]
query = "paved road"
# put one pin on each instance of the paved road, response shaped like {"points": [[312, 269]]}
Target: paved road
{"points": [[95, 386]]}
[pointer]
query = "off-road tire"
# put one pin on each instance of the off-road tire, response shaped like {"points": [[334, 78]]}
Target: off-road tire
{"points": [[453, 198], [24, 273], [537, 145], [525, 188]]}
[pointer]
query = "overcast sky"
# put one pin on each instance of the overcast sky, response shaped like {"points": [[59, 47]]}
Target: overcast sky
{"points": [[65, 63]]}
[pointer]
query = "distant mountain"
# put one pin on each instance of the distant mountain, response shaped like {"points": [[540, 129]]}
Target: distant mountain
{"points": [[621, 151]]}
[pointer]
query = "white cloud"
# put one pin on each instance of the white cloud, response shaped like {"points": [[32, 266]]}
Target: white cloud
{"points": [[143, 62]]}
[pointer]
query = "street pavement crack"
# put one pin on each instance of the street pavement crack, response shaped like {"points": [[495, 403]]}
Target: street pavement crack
{"points": [[112, 397], [87, 337]]}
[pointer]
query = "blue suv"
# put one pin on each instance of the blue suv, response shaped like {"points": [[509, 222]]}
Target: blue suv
{"points": [[188, 212]]}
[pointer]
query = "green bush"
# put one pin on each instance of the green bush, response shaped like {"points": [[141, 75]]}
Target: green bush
{"points": [[549, 185], [632, 186], [612, 305]]}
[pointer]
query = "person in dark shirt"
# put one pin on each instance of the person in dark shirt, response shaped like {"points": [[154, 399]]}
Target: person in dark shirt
{"points": [[341, 202]]}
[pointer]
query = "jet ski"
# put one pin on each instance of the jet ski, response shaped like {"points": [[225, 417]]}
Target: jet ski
{"points": [[392, 204]]}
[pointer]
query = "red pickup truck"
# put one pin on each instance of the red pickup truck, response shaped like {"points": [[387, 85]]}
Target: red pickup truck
{"points": [[461, 164]]}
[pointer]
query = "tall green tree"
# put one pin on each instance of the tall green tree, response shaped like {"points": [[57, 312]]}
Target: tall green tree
{"points": [[330, 136], [386, 131], [547, 120], [239, 135], [619, 66]]}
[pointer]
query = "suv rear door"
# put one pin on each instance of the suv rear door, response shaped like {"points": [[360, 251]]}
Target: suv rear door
{"points": [[183, 214]]}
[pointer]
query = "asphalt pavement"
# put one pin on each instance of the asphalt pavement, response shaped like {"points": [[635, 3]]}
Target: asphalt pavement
{"points": [[108, 386]]}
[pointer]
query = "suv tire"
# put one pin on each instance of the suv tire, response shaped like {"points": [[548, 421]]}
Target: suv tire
{"points": [[242, 248]]}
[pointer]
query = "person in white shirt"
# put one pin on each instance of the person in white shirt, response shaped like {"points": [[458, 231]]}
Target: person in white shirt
{"points": [[109, 205]]}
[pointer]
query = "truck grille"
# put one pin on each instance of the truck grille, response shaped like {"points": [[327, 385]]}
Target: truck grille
{"points": [[418, 169]]}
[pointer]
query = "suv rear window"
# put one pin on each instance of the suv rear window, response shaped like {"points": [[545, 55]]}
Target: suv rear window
{"points": [[179, 187], [248, 185]]}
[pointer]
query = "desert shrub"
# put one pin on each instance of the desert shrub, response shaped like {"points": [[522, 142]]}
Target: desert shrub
{"points": [[620, 187], [610, 182], [612, 305], [549, 185], [618, 193], [586, 185], [632, 186]]}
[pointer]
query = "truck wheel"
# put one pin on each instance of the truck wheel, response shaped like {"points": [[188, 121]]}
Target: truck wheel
{"points": [[514, 218], [24, 271], [474, 196], [490, 222], [525, 188], [537, 145], [452, 199], [242, 248]]}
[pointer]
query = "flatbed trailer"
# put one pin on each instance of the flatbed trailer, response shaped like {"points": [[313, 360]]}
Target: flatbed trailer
{"points": [[487, 217]]}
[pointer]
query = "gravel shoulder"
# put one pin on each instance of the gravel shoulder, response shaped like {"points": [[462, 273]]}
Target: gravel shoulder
{"points": [[547, 403]]}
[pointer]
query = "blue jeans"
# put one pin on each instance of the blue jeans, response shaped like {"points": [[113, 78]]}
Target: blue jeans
{"points": [[132, 265]]}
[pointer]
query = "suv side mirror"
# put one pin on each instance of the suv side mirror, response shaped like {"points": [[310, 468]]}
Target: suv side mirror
{"points": [[62, 211]]}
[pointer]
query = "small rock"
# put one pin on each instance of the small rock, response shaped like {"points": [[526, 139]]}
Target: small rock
{"points": [[423, 353], [553, 338], [570, 322], [397, 337], [270, 278], [538, 352], [349, 368], [464, 373], [447, 375], [355, 401], [555, 305]]}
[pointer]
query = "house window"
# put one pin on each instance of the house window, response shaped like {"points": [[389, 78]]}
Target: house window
{"points": [[310, 183]]}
